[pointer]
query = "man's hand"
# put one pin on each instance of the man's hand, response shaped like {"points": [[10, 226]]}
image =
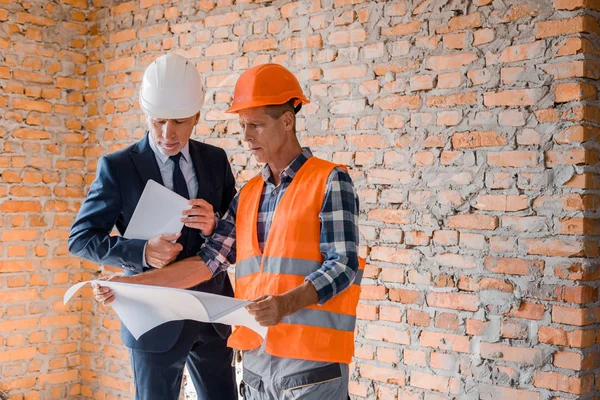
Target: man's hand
{"points": [[268, 310], [201, 216], [160, 251], [103, 294]]}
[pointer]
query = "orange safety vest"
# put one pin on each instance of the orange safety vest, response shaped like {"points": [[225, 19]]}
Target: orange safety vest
{"points": [[318, 333]]}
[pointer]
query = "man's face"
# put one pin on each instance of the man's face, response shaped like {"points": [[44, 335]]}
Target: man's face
{"points": [[265, 135], [171, 135]]}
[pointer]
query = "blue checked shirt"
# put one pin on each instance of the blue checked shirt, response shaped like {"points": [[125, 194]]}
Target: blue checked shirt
{"points": [[339, 229]]}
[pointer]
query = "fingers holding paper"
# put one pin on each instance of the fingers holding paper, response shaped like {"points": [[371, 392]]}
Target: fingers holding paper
{"points": [[267, 310], [160, 251], [201, 216], [103, 294]]}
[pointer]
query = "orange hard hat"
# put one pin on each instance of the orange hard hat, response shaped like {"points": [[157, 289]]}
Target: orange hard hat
{"points": [[264, 85]]}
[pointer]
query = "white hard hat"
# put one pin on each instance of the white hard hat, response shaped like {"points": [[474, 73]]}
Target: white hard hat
{"points": [[171, 88]]}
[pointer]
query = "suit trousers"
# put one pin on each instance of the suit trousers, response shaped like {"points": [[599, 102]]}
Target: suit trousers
{"points": [[158, 376]]}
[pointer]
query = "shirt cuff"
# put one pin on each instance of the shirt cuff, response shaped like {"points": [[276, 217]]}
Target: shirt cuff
{"points": [[322, 284], [213, 265]]}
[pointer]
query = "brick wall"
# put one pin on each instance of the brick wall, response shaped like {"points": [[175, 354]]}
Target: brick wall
{"points": [[43, 64], [470, 131]]}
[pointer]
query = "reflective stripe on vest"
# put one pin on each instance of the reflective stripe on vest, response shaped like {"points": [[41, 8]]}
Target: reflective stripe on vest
{"points": [[292, 252]]}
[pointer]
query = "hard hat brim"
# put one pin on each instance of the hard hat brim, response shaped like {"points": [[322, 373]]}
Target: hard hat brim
{"points": [[239, 106]]}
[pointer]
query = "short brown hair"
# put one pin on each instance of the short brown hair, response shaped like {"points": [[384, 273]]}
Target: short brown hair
{"points": [[276, 111]]}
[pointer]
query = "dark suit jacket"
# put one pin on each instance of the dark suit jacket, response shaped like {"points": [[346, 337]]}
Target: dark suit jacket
{"points": [[120, 180]]}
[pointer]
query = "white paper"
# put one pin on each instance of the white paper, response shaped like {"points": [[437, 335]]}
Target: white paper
{"points": [[143, 307], [157, 212]]}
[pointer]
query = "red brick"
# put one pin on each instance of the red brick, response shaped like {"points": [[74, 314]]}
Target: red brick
{"points": [[346, 72], [26, 18], [454, 301], [514, 266], [387, 334], [449, 80], [417, 318], [221, 49], [483, 36], [387, 375], [512, 159], [583, 23], [445, 341], [447, 321], [560, 337], [576, 134], [406, 296], [422, 82], [473, 221], [574, 316], [517, 97], [347, 36], [293, 43], [478, 139], [572, 69], [459, 99], [523, 52], [121, 64], [453, 61], [372, 292], [479, 76], [563, 383], [498, 351], [574, 91], [558, 248], [393, 255], [462, 22], [390, 313], [411, 102], [402, 29], [387, 355], [575, 4], [514, 330], [456, 261], [221, 19], [154, 30], [528, 310], [455, 41], [489, 392], [438, 383], [24, 353], [568, 360], [58, 377], [445, 238], [415, 357]]}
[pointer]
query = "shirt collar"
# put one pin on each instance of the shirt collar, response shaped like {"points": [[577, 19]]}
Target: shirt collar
{"points": [[291, 170], [185, 152]]}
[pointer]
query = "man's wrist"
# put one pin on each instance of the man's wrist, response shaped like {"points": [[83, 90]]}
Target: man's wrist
{"points": [[298, 298]]}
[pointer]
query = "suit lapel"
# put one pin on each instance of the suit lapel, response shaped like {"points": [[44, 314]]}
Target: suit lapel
{"points": [[202, 169], [145, 161]]}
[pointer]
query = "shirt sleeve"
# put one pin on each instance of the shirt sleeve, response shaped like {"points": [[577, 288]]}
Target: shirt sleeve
{"points": [[219, 250], [339, 237]]}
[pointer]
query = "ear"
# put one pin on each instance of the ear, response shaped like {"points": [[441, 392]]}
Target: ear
{"points": [[289, 119], [197, 118]]}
